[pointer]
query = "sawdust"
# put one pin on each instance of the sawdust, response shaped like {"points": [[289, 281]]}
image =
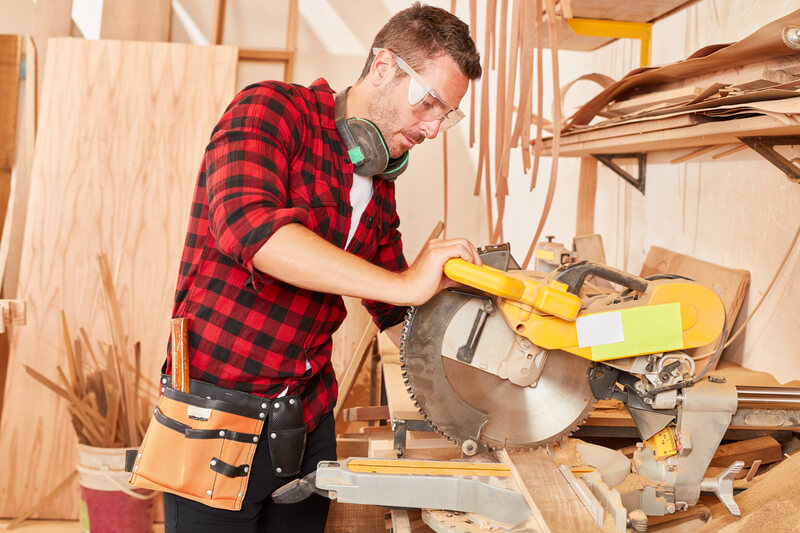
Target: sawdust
{"points": [[633, 482], [566, 453], [771, 505]]}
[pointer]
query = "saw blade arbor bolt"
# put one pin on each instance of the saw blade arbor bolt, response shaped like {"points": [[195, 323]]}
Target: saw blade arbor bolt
{"points": [[469, 447]]}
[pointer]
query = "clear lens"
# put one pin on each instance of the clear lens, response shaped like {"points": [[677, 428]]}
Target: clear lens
{"points": [[424, 100]]}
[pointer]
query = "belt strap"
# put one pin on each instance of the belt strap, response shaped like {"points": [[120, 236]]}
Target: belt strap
{"points": [[190, 433]]}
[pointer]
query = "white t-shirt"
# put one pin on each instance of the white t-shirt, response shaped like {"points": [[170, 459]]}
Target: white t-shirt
{"points": [[360, 195]]}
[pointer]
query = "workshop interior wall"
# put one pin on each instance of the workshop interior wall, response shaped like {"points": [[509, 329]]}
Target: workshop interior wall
{"points": [[739, 212]]}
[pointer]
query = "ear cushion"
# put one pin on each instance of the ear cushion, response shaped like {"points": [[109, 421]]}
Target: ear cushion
{"points": [[376, 155], [365, 145]]}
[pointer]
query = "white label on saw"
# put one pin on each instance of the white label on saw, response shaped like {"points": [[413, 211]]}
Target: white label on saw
{"points": [[602, 328]]}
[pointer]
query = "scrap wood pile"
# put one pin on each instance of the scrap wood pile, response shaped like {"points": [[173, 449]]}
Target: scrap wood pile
{"points": [[759, 75], [106, 397]]}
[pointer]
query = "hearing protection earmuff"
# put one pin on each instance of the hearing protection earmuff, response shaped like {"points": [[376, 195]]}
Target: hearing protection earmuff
{"points": [[365, 145]]}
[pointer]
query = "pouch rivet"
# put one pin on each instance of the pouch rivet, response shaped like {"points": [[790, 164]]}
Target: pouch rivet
{"points": [[164, 381], [209, 493], [136, 468], [255, 439], [279, 470], [261, 415], [213, 462], [291, 402], [263, 405], [246, 469], [162, 389], [273, 436], [277, 405], [222, 433], [240, 495], [138, 455]]}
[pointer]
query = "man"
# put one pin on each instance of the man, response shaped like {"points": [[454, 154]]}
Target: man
{"points": [[281, 226]]}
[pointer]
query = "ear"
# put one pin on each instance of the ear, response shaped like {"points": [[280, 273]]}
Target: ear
{"points": [[382, 69]]}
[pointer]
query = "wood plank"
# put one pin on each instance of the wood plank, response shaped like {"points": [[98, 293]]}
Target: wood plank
{"points": [[93, 196], [587, 191], [349, 517], [14, 218], [438, 449], [767, 449], [657, 139], [364, 347], [401, 407], [547, 492], [373, 412], [10, 59], [731, 283], [136, 20]]}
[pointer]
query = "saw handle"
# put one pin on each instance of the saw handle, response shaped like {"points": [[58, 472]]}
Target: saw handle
{"points": [[484, 278], [551, 297], [575, 274]]}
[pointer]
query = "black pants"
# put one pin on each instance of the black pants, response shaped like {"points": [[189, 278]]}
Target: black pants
{"points": [[259, 514]]}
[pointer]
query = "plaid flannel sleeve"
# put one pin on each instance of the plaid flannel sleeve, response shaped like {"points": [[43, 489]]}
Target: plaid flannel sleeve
{"points": [[389, 256], [248, 176]]}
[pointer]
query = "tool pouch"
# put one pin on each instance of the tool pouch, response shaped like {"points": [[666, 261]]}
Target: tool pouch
{"points": [[200, 445], [287, 436]]}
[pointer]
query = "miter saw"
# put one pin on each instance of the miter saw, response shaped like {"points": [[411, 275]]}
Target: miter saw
{"points": [[517, 359]]}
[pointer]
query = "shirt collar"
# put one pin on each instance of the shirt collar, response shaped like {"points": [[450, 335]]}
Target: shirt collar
{"points": [[326, 100]]}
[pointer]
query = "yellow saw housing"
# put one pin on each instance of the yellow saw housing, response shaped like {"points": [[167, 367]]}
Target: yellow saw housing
{"points": [[671, 314]]}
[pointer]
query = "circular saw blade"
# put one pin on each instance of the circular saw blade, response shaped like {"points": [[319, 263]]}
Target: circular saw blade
{"points": [[463, 402]]}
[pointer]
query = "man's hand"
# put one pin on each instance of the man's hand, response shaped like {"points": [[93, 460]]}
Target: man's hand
{"points": [[299, 256], [426, 276]]}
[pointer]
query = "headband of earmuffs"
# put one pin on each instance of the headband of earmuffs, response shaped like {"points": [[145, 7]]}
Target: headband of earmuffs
{"points": [[365, 145]]}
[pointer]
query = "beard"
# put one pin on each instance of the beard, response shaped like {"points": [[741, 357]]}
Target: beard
{"points": [[383, 115]]}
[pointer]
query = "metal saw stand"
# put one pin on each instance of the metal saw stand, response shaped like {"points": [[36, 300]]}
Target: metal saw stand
{"points": [[403, 415]]}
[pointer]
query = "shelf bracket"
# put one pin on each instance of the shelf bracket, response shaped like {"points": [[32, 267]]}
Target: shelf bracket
{"points": [[765, 148], [608, 160]]}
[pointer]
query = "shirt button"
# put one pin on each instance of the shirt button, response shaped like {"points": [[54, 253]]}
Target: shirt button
{"points": [[347, 160]]}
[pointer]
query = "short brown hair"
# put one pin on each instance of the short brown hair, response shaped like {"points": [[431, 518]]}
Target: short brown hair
{"points": [[421, 33]]}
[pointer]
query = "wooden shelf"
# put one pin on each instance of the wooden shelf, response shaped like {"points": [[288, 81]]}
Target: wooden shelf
{"points": [[670, 133]]}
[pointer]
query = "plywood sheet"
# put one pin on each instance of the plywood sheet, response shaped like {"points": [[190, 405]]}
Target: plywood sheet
{"points": [[10, 55], [136, 20], [122, 128], [731, 284]]}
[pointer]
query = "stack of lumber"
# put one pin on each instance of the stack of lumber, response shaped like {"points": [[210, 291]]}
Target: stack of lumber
{"points": [[122, 127], [748, 88]]}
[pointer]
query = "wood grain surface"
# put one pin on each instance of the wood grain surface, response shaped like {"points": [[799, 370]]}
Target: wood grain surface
{"points": [[552, 501], [122, 128]]}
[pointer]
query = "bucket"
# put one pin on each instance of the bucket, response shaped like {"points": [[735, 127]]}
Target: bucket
{"points": [[108, 503]]}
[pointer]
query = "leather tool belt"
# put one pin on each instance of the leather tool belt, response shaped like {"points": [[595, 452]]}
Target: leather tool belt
{"points": [[200, 445]]}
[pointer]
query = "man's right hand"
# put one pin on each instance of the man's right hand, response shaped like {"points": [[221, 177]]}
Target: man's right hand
{"points": [[426, 276]]}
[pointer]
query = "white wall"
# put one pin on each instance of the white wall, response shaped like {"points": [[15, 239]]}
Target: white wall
{"points": [[740, 212]]}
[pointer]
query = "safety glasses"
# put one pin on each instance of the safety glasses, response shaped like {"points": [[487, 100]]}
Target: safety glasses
{"points": [[426, 102]]}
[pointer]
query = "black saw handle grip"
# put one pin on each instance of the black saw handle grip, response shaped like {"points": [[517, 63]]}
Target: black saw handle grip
{"points": [[575, 274]]}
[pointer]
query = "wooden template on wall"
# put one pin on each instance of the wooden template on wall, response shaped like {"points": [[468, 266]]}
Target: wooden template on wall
{"points": [[122, 129]]}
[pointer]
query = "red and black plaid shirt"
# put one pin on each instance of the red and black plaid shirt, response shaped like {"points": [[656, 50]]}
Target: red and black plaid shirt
{"points": [[275, 158]]}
